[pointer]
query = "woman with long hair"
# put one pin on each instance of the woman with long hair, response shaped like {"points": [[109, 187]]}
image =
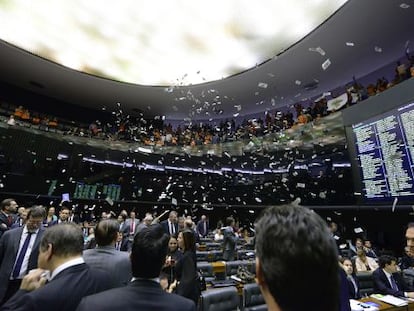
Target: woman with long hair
{"points": [[186, 267], [173, 256], [51, 218]]}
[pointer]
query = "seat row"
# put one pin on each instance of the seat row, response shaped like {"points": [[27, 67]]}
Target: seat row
{"points": [[228, 298], [215, 255], [224, 270]]}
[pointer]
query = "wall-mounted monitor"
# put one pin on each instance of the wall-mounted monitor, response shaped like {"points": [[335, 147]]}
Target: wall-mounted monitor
{"points": [[382, 148]]}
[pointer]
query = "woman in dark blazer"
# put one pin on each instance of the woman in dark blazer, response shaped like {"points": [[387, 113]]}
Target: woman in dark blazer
{"points": [[173, 256], [352, 280], [186, 267]]}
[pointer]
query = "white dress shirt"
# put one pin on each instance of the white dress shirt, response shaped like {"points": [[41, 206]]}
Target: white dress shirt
{"points": [[25, 263]]}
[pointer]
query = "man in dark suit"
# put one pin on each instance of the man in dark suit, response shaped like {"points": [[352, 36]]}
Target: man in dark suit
{"points": [[73, 217], [106, 257], [387, 281], [202, 227], [352, 280], [7, 214], [70, 278], [130, 229], [19, 249], [144, 292], [170, 225]]}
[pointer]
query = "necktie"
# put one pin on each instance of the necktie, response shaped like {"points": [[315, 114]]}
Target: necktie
{"points": [[171, 228], [393, 283], [20, 257], [132, 227], [205, 228], [10, 220]]}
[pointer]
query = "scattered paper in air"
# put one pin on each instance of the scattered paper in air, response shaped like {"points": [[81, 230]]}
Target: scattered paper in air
{"points": [[326, 64]]}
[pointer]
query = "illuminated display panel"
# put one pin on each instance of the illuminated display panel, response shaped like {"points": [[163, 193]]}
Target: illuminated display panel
{"points": [[385, 151]]}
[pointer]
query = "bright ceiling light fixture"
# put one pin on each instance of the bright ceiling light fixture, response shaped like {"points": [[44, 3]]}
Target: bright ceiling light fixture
{"points": [[159, 42]]}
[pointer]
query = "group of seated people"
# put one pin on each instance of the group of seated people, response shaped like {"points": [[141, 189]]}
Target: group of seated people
{"points": [[388, 274], [125, 129], [387, 278]]}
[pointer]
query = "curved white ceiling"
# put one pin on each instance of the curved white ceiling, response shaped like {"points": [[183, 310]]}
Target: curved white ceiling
{"points": [[160, 42]]}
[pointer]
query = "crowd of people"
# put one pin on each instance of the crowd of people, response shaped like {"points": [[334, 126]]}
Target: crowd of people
{"points": [[152, 263], [138, 130]]}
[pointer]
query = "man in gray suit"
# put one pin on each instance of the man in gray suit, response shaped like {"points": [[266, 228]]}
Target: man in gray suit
{"points": [[149, 251], [19, 249], [229, 240], [106, 257]]}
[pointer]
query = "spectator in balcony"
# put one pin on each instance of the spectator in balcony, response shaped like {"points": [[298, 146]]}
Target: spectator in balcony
{"points": [[18, 112]]}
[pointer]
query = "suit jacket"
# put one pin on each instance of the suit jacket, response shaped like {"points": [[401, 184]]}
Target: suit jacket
{"points": [[229, 243], [127, 227], [353, 293], [200, 228], [9, 246], [166, 228], [63, 293], [116, 263], [139, 295], [344, 295], [186, 273], [74, 218], [4, 220], [383, 286]]}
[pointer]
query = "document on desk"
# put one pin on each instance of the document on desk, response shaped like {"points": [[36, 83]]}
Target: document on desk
{"points": [[392, 300], [361, 306]]}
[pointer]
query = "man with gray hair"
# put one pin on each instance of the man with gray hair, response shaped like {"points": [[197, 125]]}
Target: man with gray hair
{"points": [[69, 279], [146, 222]]}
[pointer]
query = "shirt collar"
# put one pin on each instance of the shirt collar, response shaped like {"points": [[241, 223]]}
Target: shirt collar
{"points": [[387, 273], [25, 231], [67, 264], [157, 279]]}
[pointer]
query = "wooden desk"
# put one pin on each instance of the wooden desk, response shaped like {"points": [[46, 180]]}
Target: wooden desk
{"points": [[388, 307]]}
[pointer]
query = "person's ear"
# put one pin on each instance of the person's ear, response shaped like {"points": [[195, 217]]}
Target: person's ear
{"points": [[49, 251]]}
